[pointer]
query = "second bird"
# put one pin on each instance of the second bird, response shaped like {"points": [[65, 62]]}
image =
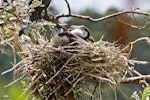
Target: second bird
{"points": [[59, 37]]}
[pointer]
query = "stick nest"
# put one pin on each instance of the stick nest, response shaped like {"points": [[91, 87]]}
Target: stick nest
{"points": [[61, 72]]}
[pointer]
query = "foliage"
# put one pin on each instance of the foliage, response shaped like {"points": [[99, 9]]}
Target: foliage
{"points": [[12, 92], [144, 96]]}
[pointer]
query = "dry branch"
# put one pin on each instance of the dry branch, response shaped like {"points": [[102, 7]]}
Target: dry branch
{"points": [[99, 19]]}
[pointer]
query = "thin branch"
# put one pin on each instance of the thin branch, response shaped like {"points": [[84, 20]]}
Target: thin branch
{"points": [[129, 47], [29, 86], [15, 58], [127, 24], [58, 87], [100, 90], [68, 6], [59, 70], [102, 18], [14, 81], [101, 78], [142, 27], [136, 79], [133, 26], [139, 74], [94, 90], [122, 92], [133, 15], [115, 93], [31, 93], [74, 85], [15, 66], [7, 40]]}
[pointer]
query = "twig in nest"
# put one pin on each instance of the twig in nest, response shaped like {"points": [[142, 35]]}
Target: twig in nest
{"points": [[60, 70], [16, 80], [102, 78], [7, 40], [74, 85], [15, 66], [29, 86]]}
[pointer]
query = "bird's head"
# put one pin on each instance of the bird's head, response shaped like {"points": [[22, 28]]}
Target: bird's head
{"points": [[82, 31]]}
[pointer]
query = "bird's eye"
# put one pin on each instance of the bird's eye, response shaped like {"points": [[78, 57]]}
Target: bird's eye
{"points": [[83, 29], [69, 29]]}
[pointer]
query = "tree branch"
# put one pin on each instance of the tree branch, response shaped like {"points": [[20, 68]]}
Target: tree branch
{"points": [[137, 79], [57, 17], [69, 8]]}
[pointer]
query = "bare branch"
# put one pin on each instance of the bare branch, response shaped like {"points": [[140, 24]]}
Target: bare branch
{"points": [[102, 18], [16, 80], [138, 80], [15, 66], [127, 24], [134, 26], [69, 8], [129, 47]]}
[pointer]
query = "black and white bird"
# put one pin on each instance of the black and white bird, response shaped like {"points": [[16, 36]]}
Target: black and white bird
{"points": [[81, 31], [38, 10], [59, 37]]}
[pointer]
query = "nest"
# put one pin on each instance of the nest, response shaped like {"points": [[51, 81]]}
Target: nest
{"points": [[68, 72], [61, 72]]}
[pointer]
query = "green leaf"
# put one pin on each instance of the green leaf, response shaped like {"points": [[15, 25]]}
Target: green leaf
{"points": [[23, 83], [145, 93]]}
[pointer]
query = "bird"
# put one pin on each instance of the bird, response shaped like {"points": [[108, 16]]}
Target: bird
{"points": [[36, 15], [81, 31], [59, 37]]}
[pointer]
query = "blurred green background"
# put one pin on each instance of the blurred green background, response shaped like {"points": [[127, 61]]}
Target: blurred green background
{"points": [[112, 30]]}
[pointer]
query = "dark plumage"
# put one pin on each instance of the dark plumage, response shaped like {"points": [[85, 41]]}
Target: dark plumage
{"points": [[38, 10], [5, 1]]}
